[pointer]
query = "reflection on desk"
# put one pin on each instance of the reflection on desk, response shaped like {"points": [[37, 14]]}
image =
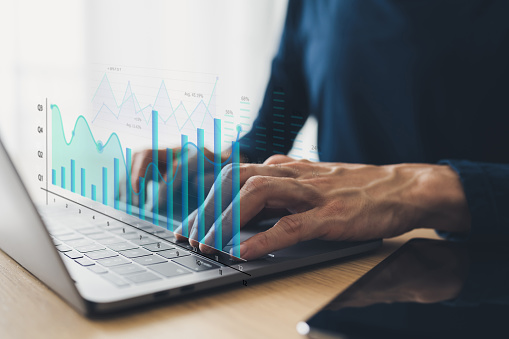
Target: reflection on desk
{"points": [[428, 289]]}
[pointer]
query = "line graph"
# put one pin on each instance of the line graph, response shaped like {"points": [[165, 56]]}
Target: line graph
{"points": [[101, 166], [128, 110]]}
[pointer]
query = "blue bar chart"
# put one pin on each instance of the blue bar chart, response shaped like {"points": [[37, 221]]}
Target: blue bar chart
{"points": [[97, 170], [155, 162], [217, 184], [169, 190], [73, 176], [185, 186], [83, 183]]}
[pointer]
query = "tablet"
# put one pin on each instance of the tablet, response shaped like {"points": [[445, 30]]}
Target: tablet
{"points": [[426, 289]]}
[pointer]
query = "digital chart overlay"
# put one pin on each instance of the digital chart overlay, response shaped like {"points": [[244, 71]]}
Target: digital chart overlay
{"points": [[86, 166]]}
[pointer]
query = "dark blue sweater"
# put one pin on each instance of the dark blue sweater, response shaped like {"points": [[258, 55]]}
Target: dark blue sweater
{"points": [[394, 81]]}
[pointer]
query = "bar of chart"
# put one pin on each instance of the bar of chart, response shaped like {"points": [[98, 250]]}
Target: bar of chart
{"points": [[96, 170]]}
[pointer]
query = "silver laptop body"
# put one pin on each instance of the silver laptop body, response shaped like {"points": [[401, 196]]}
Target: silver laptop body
{"points": [[101, 260]]}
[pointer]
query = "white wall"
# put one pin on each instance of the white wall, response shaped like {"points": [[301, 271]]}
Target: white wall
{"points": [[51, 49]]}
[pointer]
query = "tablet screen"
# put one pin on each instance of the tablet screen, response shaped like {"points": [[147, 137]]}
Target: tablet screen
{"points": [[426, 289]]}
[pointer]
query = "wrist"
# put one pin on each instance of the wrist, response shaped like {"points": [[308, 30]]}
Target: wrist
{"points": [[440, 200]]}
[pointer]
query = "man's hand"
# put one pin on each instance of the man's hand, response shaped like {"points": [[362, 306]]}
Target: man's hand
{"points": [[142, 160], [338, 201]]}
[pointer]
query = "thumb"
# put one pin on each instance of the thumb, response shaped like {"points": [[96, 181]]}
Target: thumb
{"points": [[288, 231]]}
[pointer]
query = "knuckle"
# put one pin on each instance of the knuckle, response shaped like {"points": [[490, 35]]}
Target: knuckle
{"points": [[146, 153], [227, 172], [243, 168], [299, 164], [256, 183], [336, 208], [290, 225], [263, 240], [274, 159], [298, 167]]}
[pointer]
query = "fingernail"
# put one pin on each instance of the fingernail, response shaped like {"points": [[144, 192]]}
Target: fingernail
{"points": [[178, 232], [242, 250], [206, 249], [193, 234]]}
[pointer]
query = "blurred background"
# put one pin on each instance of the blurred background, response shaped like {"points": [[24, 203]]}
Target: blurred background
{"points": [[69, 52]]}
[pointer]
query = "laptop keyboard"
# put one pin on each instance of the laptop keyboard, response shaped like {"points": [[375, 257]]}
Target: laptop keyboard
{"points": [[124, 255]]}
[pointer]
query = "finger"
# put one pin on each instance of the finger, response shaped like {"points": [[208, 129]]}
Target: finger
{"points": [[278, 159], [268, 214], [208, 209], [178, 230], [169, 180], [195, 236], [288, 231], [223, 186], [175, 180], [261, 192], [139, 165]]}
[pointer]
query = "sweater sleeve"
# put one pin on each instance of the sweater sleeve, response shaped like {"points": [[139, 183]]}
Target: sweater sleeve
{"points": [[486, 186], [285, 105]]}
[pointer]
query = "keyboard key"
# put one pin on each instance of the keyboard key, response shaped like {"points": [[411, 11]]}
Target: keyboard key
{"points": [[89, 230], [74, 254], [138, 223], [149, 260], [145, 241], [128, 269], [170, 238], [122, 230], [134, 253], [79, 243], [130, 236], [98, 269], [150, 228], [142, 278], [164, 233], [72, 236], [112, 228], [115, 280], [115, 261], [90, 248], [186, 245], [122, 246], [63, 248], [101, 254], [78, 225], [60, 231], [98, 221], [174, 253], [109, 241], [169, 269], [85, 262], [56, 242], [102, 235], [195, 263], [160, 246]]}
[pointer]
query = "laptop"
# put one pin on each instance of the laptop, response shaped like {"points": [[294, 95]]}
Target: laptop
{"points": [[100, 260]]}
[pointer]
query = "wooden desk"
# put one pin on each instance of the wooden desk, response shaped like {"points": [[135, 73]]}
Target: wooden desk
{"points": [[269, 308]]}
